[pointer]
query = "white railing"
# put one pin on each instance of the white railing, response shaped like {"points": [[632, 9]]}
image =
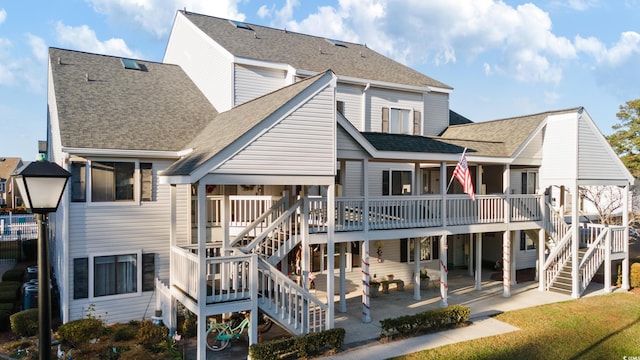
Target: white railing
{"points": [[617, 239], [18, 227], [246, 209], [184, 270], [555, 226], [594, 256], [288, 303], [525, 207], [401, 212], [261, 223], [558, 256], [229, 278]]}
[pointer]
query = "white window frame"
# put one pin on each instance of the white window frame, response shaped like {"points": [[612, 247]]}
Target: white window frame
{"points": [[137, 293], [405, 124], [410, 242], [390, 183], [529, 243], [137, 188]]}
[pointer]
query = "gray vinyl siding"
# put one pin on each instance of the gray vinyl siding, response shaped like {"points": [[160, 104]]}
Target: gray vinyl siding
{"points": [[353, 179], [119, 228], [253, 82], [596, 159], [207, 64], [380, 98], [303, 143], [436, 113], [375, 175], [525, 259], [352, 97], [347, 147]]}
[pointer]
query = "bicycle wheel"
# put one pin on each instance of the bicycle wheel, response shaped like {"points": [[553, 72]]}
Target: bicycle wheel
{"points": [[214, 342], [266, 324]]}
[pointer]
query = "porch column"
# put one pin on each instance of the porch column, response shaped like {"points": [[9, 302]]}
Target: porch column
{"points": [[343, 277], [366, 277], [478, 263], [469, 254], [417, 179], [626, 197], [331, 213], [607, 260], [202, 271], [575, 242], [305, 259], [443, 193], [444, 287], [173, 241], [416, 269], [541, 258], [506, 263]]}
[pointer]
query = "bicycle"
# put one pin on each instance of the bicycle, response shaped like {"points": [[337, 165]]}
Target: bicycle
{"points": [[219, 335]]}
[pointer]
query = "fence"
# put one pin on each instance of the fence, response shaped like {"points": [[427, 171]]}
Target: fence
{"points": [[18, 234]]}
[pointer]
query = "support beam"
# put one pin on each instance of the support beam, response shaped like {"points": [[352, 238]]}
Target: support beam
{"points": [[202, 269], [416, 269], [469, 254], [626, 200], [575, 242], [444, 287], [331, 213], [478, 263], [541, 258], [343, 277], [366, 278], [607, 260], [506, 264]]}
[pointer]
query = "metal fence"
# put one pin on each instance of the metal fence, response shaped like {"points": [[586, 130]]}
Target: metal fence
{"points": [[18, 234]]}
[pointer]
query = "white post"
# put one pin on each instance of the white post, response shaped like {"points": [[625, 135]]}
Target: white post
{"points": [[416, 269], [444, 287], [478, 263], [253, 326], [366, 277], [331, 213], [541, 258], [506, 263], [172, 316], [626, 197], [343, 277], [575, 242], [202, 271], [469, 254], [607, 260]]}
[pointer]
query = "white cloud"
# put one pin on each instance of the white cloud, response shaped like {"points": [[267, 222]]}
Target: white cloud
{"points": [[3, 15], [264, 11], [157, 16], [577, 5], [83, 38], [487, 69], [38, 47], [625, 49]]}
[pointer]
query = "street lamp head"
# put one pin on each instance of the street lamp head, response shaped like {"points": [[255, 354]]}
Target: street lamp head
{"points": [[41, 184]]}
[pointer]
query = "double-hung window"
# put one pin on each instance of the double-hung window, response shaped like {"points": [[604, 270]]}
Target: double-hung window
{"points": [[401, 121], [429, 249], [111, 181], [115, 274]]}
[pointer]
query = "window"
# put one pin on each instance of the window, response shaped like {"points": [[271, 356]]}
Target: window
{"points": [[113, 275], [400, 121], [2, 187], [340, 106], [526, 243], [114, 181], [396, 182], [78, 182], [429, 249], [529, 182]]}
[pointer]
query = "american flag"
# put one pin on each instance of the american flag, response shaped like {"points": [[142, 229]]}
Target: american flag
{"points": [[462, 173]]}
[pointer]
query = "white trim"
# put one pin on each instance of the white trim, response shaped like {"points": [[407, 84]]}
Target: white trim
{"points": [[125, 153], [91, 259]]}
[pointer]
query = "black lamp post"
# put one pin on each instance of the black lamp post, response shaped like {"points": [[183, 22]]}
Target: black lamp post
{"points": [[41, 184]]}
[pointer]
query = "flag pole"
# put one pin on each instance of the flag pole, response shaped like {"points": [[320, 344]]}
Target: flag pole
{"points": [[452, 176]]}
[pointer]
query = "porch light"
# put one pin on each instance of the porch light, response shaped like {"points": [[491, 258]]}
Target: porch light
{"points": [[41, 184]]}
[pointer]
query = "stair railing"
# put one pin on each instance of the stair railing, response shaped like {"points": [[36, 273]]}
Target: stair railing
{"points": [[262, 222], [593, 258], [557, 258], [555, 226]]}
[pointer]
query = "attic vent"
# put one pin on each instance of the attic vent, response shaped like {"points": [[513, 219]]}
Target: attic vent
{"points": [[130, 64], [336, 43], [240, 25]]}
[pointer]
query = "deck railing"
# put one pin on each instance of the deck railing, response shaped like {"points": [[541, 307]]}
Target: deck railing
{"points": [[18, 227], [557, 258]]}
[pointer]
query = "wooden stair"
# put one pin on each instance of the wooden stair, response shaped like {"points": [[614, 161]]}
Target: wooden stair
{"points": [[562, 283]]}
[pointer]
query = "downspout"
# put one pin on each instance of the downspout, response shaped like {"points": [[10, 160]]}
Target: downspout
{"points": [[363, 125], [65, 249]]}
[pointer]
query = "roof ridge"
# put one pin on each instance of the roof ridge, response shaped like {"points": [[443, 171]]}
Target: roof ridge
{"points": [[549, 112]]}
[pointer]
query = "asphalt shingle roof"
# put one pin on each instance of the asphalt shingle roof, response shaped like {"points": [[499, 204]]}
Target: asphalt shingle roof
{"points": [[410, 143], [230, 125], [307, 52], [158, 108]]}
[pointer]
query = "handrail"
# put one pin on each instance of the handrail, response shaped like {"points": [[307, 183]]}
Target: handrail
{"points": [[274, 209], [557, 259]]}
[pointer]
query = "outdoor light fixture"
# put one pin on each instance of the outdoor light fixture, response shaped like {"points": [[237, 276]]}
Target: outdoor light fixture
{"points": [[41, 184]]}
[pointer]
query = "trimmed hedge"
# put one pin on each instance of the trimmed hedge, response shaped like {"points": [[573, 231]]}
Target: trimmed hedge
{"points": [[25, 323], [13, 275], [425, 322], [298, 346], [81, 331]]}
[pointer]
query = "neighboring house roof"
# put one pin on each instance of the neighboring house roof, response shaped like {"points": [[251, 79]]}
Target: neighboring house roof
{"points": [[230, 125], [8, 165], [510, 132], [457, 119], [307, 52], [102, 105]]}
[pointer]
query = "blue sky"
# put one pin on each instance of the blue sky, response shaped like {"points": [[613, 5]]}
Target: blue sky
{"points": [[503, 58]]}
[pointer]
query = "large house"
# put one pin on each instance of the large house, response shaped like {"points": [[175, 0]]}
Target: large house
{"points": [[253, 157], [7, 166]]}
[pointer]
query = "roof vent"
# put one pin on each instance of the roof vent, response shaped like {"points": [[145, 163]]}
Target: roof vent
{"points": [[240, 25], [130, 64], [336, 43]]}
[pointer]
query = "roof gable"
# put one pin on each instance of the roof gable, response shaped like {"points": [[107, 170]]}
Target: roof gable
{"points": [[308, 53], [101, 104]]}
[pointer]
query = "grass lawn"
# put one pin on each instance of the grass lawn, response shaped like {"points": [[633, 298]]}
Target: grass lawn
{"points": [[596, 327]]}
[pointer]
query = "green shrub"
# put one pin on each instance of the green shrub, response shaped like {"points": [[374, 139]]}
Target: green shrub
{"points": [[149, 334], [8, 295], [25, 323], [425, 322], [7, 306], [125, 333], [634, 275], [13, 275], [297, 347], [81, 331]]}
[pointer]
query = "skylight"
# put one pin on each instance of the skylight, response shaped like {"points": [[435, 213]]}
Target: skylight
{"points": [[130, 64], [240, 25], [336, 42]]}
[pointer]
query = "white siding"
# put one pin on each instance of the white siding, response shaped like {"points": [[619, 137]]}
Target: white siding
{"points": [[532, 153], [347, 147], [205, 62], [596, 158], [352, 97], [525, 259], [436, 113], [119, 228], [253, 82], [353, 179], [301, 144], [380, 98], [559, 150], [375, 175]]}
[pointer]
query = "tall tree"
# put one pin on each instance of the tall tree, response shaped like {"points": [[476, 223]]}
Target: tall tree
{"points": [[626, 139]]}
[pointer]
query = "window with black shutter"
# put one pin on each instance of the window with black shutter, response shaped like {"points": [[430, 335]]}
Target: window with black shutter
{"points": [[148, 271], [81, 278]]}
